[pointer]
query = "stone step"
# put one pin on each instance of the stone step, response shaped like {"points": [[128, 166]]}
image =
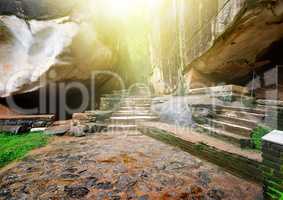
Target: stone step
{"points": [[241, 109], [142, 109], [137, 98], [242, 114], [142, 105], [235, 100], [232, 128], [240, 162], [132, 113], [131, 120], [275, 103], [134, 118], [220, 90], [270, 108], [236, 139], [121, 127], [238, 121]]}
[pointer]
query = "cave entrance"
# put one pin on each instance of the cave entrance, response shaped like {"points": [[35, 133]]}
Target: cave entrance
{"points": [[267, 81], [61, 99]]}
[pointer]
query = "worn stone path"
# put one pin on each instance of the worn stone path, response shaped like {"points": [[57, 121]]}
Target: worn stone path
{"points": [[119, 166]]}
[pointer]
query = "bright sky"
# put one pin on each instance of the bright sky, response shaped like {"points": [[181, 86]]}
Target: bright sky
{"points": [[120, 8]]}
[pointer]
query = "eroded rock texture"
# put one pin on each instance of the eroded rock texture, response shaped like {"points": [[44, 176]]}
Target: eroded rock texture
{"points": [[214, 41], [245, 40], [38, 9], [119, 165], [31, 50]]}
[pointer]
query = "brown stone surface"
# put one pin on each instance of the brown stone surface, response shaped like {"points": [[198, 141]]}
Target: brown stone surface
{"points": [[27, 117], [236, 52], [80, 116], [190, 135], [119, 166], [58, 129], [6, 111], [195, 79]]}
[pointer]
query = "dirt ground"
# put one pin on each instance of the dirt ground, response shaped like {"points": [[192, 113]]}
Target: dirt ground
{"points": [[119, 165]]}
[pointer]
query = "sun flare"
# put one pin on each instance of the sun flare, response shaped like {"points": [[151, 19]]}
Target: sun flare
{"points": [[123, 7]]}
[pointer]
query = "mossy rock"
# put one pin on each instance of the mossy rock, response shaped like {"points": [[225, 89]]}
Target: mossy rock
{"points": [[256, 136]]}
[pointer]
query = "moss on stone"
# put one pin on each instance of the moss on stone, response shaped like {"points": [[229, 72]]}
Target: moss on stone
{"points": [[256, 137]]}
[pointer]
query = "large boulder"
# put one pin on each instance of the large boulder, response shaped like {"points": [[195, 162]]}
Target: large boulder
{"points": [[35, 53], [38, 9]]}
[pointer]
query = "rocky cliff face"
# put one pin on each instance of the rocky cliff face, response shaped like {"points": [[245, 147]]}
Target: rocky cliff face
{"points": [[35, 53], [239, 49], [38, 9], [47, 41], [214, 41]]}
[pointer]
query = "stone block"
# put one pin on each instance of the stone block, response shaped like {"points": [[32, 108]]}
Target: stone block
{"points": [[274, 137], [78, 131], [221, 90], [272, 165], [80, 117], [58, 130]]}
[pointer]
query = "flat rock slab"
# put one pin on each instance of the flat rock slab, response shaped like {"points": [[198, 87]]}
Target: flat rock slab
{"points": [[119, 165], [275, 137], [58, 130]]}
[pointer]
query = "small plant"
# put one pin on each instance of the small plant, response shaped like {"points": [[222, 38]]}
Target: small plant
{"points": [[257, 134]]}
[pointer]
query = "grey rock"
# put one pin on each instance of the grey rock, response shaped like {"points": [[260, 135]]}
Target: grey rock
{"points": [[69, 176], [57, 130], [216, 194], [104, 185], [5, 193], [91, 182], [76, 191], [78, 131], [125, 182], [204, 178]]}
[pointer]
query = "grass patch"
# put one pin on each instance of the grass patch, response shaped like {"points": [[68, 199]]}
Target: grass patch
{"points": [[14, 147], [257, 134]]}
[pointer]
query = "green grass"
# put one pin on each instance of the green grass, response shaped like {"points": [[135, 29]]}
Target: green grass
{"points": [[257, 134], [14, 147]]}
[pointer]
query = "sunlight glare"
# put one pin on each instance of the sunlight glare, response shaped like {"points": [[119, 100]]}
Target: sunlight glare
{"points": [[123, 7]]}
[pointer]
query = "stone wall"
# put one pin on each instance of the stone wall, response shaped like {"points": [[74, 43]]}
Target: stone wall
{"points": [[182, 31], [212, 41], [273, 165]]}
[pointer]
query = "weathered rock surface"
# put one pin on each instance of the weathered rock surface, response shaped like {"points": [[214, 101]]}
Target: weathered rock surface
{"points": [[175, 111], [37, 9], [113, 166], [238, 51], [35, 53]]}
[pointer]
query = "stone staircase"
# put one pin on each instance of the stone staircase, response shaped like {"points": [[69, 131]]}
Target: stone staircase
{"points": [[233, 124], [232, 120], [132, 110], [224, 118], [222, 135], [236, 123]]}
